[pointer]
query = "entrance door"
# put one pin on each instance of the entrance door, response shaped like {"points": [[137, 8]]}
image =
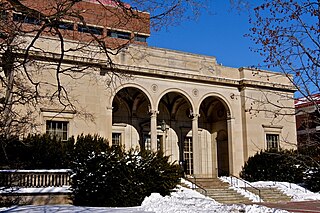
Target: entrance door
{"points": [[223, 158]]}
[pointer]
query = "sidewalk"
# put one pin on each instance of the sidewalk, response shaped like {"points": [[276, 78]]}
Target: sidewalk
{"points": [[302, 206]]}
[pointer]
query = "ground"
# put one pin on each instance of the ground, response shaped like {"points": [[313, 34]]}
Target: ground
{"points": [[185, 200]]}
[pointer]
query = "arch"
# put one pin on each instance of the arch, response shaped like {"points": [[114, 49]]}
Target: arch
{"points": [[131, 109], [214, 113], [137, 86], [185, 94], [223, 100]]}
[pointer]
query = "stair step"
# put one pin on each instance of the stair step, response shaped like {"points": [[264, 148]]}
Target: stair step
{"points": [[220, 191], [270, 194]]}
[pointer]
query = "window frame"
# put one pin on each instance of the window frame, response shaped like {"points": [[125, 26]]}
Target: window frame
{"points": [[96, 30], [119, 139], [21, 18], [54, 130], [119, 34], [272, 141], [140, 38], [188, 155], [65, 25]]}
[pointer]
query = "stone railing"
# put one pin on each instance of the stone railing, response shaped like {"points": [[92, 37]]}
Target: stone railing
{"points": [[35, 178]]}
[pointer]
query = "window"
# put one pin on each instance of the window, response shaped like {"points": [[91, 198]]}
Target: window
{"points": [[272, 141], [159, 143], [147, 142], [188, 156], [25, 19], [3, 15], [65, 25], [58, 128], [140, 38], [90, 29], [119, 34], [116, 139]]}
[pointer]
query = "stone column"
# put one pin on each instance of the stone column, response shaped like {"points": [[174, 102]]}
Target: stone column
{"points": [[196, 148], [153, 129], [230, 125], [109, 125]]}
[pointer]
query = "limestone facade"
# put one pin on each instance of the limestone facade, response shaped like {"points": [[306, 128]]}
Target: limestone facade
{"points": [[158, 98]]}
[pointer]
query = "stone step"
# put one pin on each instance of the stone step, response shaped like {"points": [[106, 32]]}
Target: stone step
{"points": [[271, 194], [233, 201], [224, 193], [209, 182], [236, 202], [220, 191]]}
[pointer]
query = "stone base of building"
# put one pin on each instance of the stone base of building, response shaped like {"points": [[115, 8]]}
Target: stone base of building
{"points": [[38, 199]]}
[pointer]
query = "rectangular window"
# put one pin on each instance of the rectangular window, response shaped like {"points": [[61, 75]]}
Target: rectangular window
{"points": [[65, 25], [119, 34], [90, 29], [147, 142], [116, 139], [25, 19], [58, 128], [4, 15], [159, 143], [272, 141], [140, 38], [188, 156]]}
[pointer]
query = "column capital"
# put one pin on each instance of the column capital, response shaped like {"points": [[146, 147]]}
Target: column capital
{"points": [[153, 112], [194, 115]]}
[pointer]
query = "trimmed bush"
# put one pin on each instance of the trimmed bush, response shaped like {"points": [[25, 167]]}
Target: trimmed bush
{"points": [[36, 152], [273, 166], [118, 178]]}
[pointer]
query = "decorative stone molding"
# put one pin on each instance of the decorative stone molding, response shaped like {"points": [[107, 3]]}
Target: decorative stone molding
{"points": [[195, 92], [154, 88]]}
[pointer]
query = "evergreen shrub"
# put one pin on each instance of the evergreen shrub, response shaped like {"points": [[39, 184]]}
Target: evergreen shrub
{"points": [[273, 165], [118, 178], [35, 152]]}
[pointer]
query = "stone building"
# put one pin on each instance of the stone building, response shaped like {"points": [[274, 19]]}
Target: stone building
{"points": [[207, 117]]}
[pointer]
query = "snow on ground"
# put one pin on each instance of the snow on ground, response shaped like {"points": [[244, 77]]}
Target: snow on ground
{"points": [[62, 189], [297, 192], [188, 201], [182, 201]]}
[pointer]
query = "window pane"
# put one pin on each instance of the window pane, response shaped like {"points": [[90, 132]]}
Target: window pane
{"points": [[116, 139], [188, 156], [58, 128], [90, 29], [272, 141], [65, 25], [25, 19], [140, 38], [119, 34]]}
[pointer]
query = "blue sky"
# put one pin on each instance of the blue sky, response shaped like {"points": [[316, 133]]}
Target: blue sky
{"points": [[219, 32]]}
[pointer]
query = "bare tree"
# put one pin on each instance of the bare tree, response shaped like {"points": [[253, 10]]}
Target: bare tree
{"points": [[287, 35], [23, 25]]}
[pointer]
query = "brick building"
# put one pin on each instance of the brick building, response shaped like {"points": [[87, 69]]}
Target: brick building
{"points": [[307, 119]]}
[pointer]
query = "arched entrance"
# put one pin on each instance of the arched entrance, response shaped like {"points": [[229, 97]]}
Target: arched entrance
{"points": [[130, 118], [213, 118], [175, 110]]}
